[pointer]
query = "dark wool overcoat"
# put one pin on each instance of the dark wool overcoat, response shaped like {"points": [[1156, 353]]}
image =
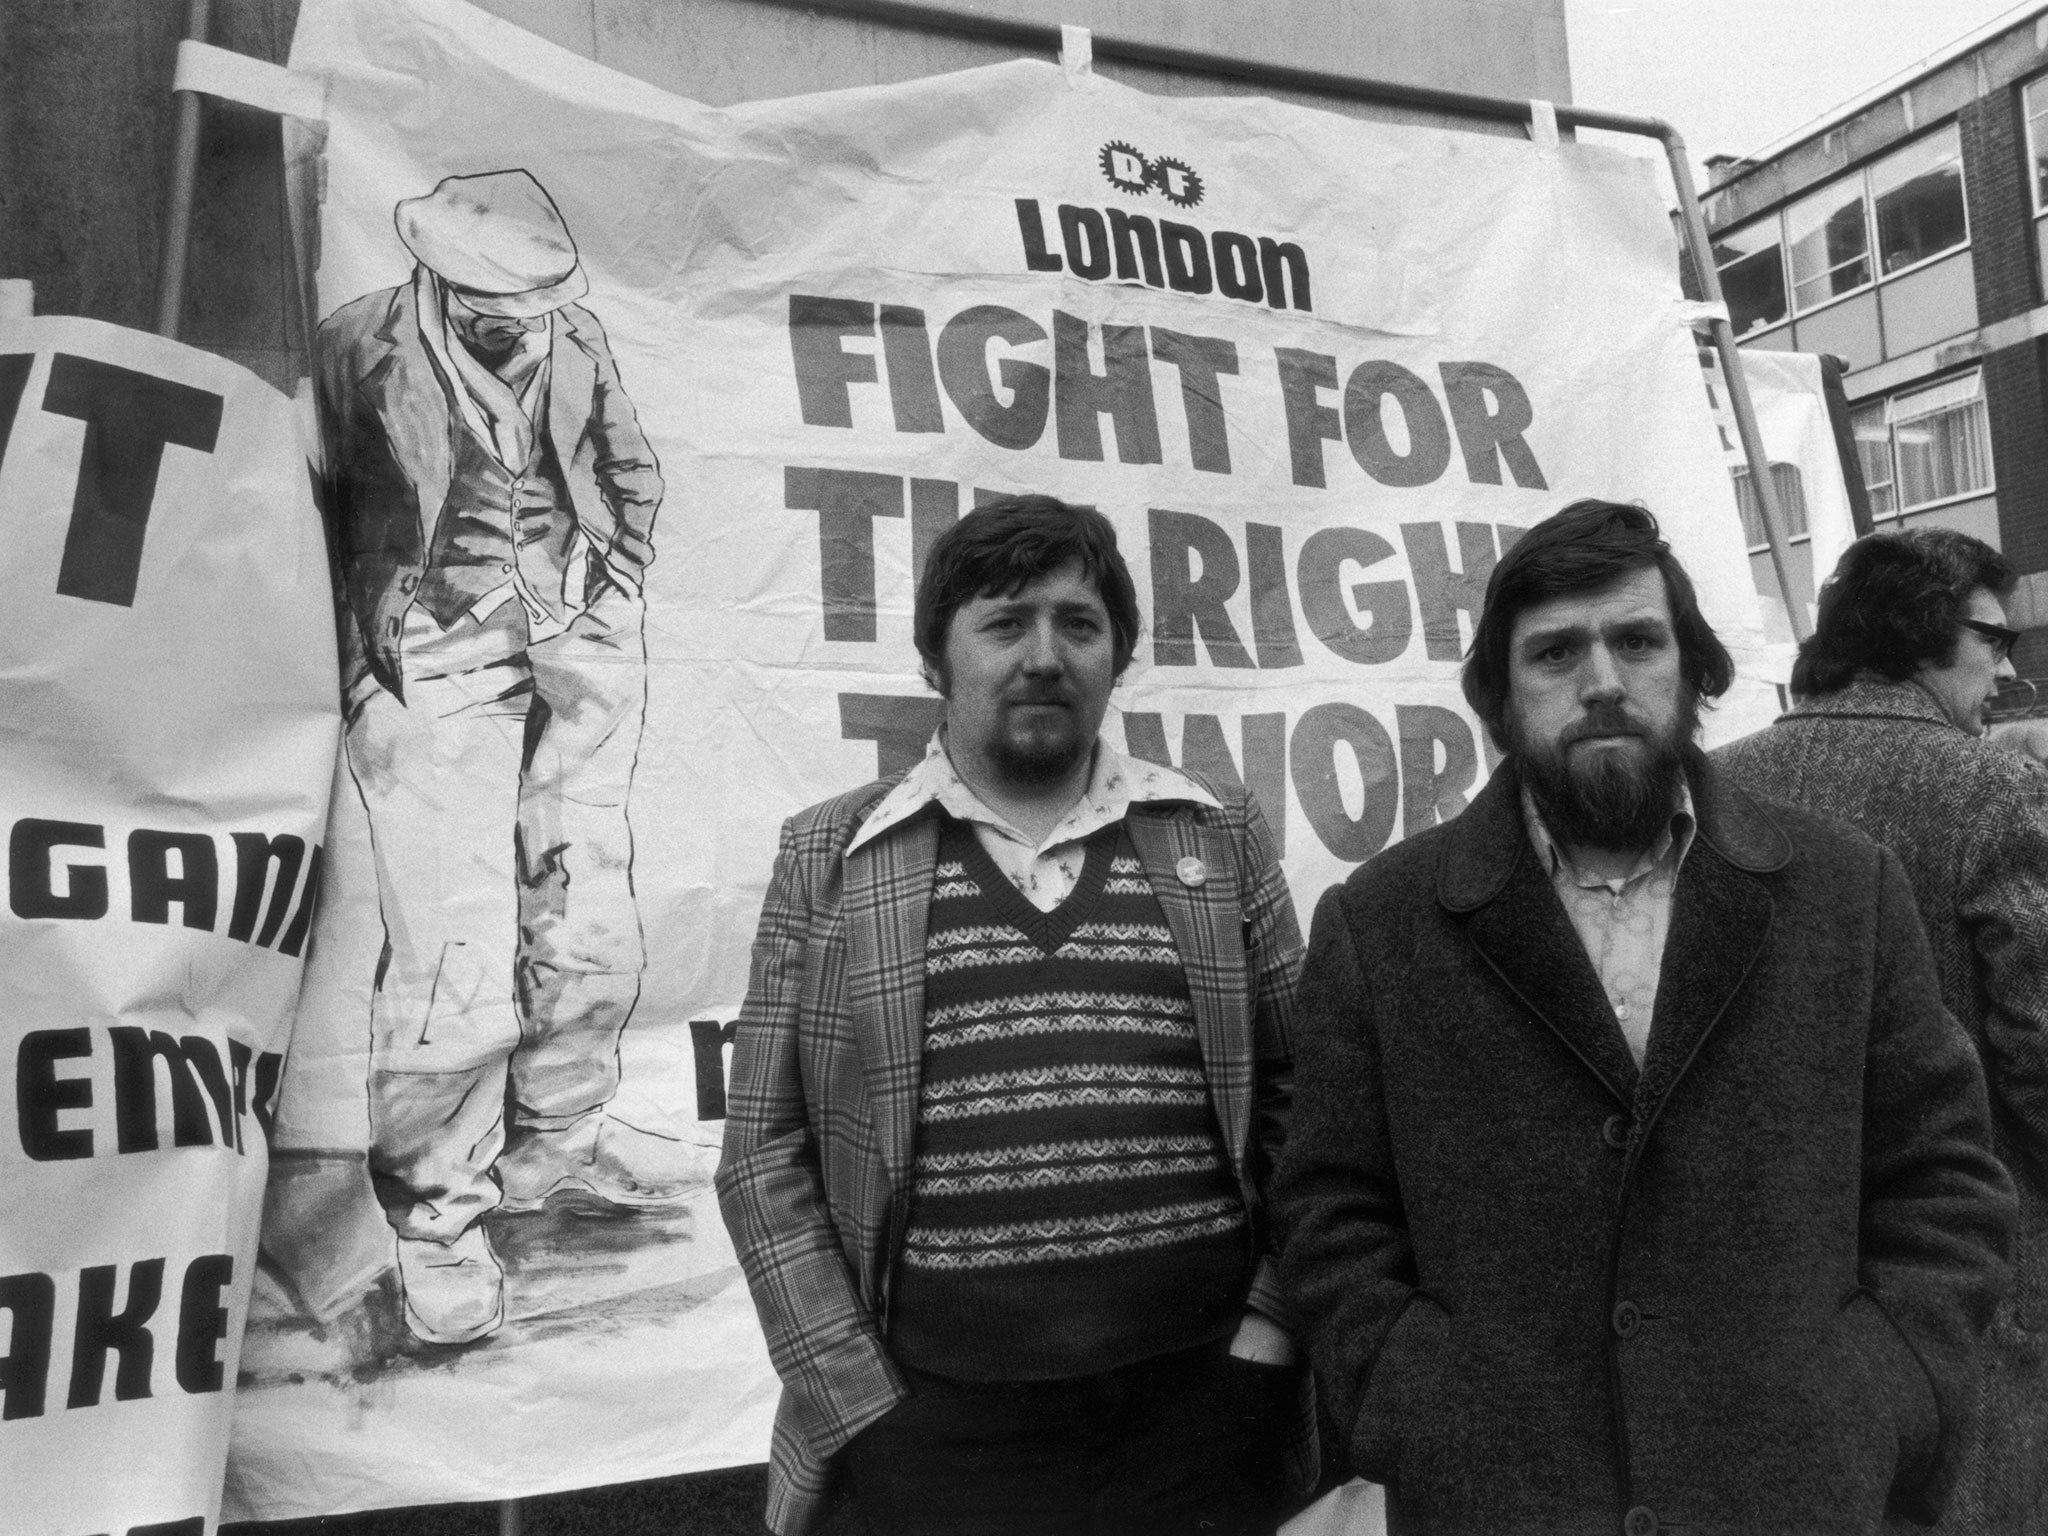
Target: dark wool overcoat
{"points": [[1970, 824], [1737, 1290]]}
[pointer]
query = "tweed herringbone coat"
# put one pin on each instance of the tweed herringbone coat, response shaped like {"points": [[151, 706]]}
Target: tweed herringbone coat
{"points": [[822, 1106], [1970, 823], [1737, 1289]]}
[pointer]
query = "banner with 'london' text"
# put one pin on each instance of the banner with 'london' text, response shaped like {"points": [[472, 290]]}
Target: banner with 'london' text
{"points": [[1318, 372]]}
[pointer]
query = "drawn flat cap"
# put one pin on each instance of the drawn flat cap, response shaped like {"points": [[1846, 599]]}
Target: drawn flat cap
{"points": [[499, 241]]}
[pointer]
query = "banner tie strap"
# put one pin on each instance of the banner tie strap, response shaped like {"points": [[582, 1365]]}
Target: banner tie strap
{"points": [[1077, 53], [253, 82], [1543, 126]]}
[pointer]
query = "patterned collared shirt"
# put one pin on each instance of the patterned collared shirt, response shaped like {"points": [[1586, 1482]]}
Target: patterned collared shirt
{"points": [[1623, 923], [1045, 872]]}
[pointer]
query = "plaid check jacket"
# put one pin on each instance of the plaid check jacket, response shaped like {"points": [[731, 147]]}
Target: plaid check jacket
{"points": [[822, 1106]]}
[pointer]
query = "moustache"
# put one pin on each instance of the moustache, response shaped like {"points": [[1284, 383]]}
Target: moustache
{"points": [[1603, 720]]}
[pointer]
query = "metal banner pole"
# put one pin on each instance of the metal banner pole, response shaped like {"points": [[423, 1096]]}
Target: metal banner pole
{"points": [[170, 267], [511, 1518], [1694, 223]]}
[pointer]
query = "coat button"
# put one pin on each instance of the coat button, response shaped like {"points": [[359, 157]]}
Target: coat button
{"points": [[1628, 1317], [1615, 1131], [1192, 871], [1640, 1521], [408, 583]]}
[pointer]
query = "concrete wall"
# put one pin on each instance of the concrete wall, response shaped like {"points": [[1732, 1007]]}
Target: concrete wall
{"points": [[86, 117]]}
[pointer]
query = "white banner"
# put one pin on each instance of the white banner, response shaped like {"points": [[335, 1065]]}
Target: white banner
{"points": [[167, 735], [1790, 400], [1317, 371]]}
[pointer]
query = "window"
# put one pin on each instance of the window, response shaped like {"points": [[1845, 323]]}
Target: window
{"points": [[1918, 194], [1896, 213], [1791, 488], [1752, 276], [1874, 453], [1829, 239], [1941, 439], [1927, 446], [2035, 103]]}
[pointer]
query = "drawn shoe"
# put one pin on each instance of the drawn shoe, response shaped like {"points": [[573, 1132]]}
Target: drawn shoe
{"points": [[602, 1161], [454, 1292]]}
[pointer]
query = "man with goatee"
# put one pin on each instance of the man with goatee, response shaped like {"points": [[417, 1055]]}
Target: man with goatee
{"points": [[1006, 1093], [1637, 1179]]}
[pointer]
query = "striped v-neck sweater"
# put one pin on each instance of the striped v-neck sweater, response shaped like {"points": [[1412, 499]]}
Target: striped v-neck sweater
{"points": [[1073, 1208]]}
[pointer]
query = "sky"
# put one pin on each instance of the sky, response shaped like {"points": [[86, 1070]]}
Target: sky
{"points": [[1734, 75]]}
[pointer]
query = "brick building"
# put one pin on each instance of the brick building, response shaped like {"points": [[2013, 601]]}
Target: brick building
{"points": [[1907, 232]]}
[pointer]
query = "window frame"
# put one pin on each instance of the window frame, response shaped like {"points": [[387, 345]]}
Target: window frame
{"points": [[1888, 405], [2035, 199], [1953, 128], [1868, 255], [2034, 139], [1873, 256], [1793, 505], [1776, 248]]}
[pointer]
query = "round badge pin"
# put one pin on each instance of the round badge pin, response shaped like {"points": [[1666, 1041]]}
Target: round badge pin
{"points": [[1192, 871]]}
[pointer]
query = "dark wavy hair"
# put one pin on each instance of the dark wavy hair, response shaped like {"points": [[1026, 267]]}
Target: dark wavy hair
{"points": [[1585, 546], [1896, 602], [1004, 545]]}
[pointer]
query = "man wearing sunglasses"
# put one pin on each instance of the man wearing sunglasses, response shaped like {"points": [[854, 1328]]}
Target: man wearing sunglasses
{"points": [[1893, 689]]}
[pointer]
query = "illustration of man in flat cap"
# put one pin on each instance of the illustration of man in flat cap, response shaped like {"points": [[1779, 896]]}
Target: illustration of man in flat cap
{"points": [[493, 502]]}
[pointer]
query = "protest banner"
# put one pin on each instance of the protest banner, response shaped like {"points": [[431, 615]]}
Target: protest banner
{"points": [[168, 721], [1806, 464], [1318, 372]]}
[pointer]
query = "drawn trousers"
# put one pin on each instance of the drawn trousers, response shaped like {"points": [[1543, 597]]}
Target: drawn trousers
{"points": [[496, 792]]}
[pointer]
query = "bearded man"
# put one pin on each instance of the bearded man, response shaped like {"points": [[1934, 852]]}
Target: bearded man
{"points": [[1637, 1177]]}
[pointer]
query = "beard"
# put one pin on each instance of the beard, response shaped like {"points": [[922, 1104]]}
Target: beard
{"points": [[1043, 752], [1614, 799]]}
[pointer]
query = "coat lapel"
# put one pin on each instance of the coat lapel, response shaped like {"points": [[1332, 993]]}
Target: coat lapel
{"points": [[1207, 925], [406, 393], [572, 391], [1489, 870], [1720, 918], [886, 901]]}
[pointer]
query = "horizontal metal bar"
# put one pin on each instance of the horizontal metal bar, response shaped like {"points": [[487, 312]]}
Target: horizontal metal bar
{"points": [[1043, 37]]}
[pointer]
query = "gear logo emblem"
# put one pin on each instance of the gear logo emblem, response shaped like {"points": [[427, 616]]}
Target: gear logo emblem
{"points": [[1178, 182], [1129, 169], [1124, 168]]}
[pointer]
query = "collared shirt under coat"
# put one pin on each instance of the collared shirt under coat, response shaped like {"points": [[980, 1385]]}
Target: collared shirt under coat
{"points": [[1044, 873], [1621, 922]]}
